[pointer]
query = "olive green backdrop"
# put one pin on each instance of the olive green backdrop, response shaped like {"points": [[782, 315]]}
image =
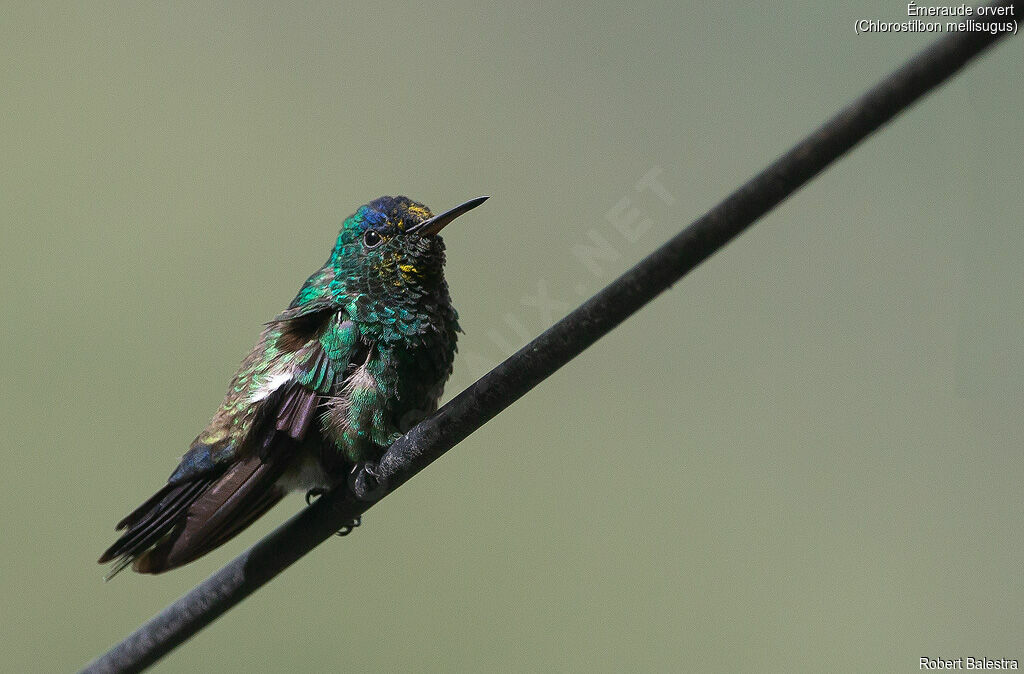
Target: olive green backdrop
{"points": [[806, 457]]}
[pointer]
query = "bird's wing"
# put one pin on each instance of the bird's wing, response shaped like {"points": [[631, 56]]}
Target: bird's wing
{"points": [[228, 477]]}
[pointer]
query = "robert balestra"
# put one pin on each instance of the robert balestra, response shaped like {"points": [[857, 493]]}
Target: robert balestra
{"points": [[968, 663]]}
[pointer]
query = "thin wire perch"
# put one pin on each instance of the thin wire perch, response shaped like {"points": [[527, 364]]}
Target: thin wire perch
{"points": [[510, 380]]}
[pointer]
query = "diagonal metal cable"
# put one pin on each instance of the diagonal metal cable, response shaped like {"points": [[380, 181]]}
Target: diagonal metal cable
{"points": [[566, 339]]}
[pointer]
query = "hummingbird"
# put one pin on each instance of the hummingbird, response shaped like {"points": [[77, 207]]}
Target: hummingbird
{"points": [[359, 356]]}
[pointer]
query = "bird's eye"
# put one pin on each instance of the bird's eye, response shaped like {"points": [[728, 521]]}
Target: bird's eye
{"points": [[372, 239]]}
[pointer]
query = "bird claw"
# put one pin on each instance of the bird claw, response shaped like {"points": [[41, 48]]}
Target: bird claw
{"points": [[315, 493], [348, 527], [365, 482]]}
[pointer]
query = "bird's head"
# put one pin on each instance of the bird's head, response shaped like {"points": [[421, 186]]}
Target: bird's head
{"points": [[392, 245]]}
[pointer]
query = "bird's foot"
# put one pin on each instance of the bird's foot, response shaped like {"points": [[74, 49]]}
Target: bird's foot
{"points": [[346, 529], [365, 481]]}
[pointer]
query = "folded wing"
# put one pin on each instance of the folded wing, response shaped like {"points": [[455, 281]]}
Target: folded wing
{"points": [[230, 475]]}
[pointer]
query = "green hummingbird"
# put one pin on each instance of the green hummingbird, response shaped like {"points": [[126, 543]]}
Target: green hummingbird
{"points": [[359, 356]]}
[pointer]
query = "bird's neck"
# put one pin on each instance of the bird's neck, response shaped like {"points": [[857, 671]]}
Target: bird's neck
{"points": [[409, 314]]}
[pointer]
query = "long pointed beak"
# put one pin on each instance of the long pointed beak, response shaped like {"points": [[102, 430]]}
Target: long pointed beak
{"points": [[438, 222]]}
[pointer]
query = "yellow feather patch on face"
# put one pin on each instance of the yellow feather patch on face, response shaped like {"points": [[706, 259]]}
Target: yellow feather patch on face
{"points": [[410, 273], [422, 211]]}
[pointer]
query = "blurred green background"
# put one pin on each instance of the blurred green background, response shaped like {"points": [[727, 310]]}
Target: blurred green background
{"points": [[805, 457]]}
